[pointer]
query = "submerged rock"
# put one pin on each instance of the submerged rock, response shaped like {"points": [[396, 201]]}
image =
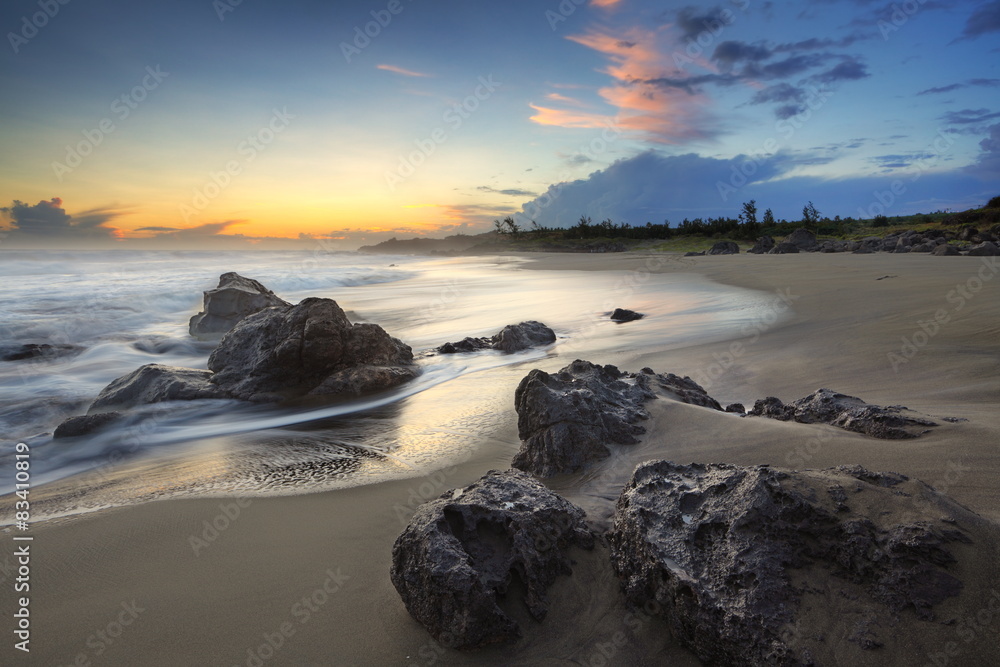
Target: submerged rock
{"points": [[85, 424], [726, 554], [460, 553], [37, 351], [825, 406], [310, 348], [234, 298], [565, 420], [625, 315], [512, 338], [155, 383]]}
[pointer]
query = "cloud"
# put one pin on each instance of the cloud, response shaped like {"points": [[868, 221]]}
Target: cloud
{"points": [[652, 187], [988, 83], [510, 192], [199, 231], [400, 70], [849, 70], [730, 52], [969, 116], [985, 19], [693, 21], [49, 220], [779, 92], [987, 166]]}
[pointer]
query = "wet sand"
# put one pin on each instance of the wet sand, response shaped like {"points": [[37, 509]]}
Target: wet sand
{"points": [[303, 580]]}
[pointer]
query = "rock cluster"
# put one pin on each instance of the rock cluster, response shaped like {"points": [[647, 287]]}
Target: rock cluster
{"points": [[724, 248], [825, 406], [234, 298], [460, 553], [512, 338], [566, 420]]}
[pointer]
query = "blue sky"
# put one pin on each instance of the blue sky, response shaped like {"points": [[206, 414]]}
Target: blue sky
{"points": [[210, 124]]}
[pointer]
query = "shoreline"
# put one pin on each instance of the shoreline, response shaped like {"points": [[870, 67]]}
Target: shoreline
{"points": [[221, 602]]}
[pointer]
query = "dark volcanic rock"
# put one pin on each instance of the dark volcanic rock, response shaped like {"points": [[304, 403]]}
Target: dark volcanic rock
{"points": [[783, 248], [724, 248], [762, 246], [736, 408], [467, 344], [156, 383], [692, 253], [984, 249], [512, 338], [85, 424], [945, 249], [37, 351], [727, 555], [310, 348], [625, 315], [802, 239], [825, 406], [234, 298], [516, 337], [685, 390], [461, 552], [565, 420]]}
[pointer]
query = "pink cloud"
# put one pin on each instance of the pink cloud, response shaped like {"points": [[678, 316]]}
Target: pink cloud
{"points": [[400, 70]]}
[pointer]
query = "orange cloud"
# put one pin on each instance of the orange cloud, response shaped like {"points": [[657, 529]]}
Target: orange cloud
{"points": [[604, 3], [400, 70], [636, 57]]}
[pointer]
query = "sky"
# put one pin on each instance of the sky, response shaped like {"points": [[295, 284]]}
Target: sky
{"points": [[246, 123]]}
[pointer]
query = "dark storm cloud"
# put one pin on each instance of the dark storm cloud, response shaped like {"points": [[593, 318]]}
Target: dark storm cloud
{"points": [[49, 219], [986, 18]]}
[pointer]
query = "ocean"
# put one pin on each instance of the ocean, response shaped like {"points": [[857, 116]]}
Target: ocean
{"points": [[129, 308]]}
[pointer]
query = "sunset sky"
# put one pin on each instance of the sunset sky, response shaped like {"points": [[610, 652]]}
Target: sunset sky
{"points": [[208, 124]]}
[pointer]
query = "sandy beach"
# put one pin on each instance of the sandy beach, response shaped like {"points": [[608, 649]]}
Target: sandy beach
{"points": [[303, 580]]}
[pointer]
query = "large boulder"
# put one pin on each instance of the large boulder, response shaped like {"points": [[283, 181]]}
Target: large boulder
{"points": [[984, 249], [155, 383], [761, 566], [74, 427], [825, 406], [802, 239], [566, 420], [460, 553], [310, 348], [762, 246], [945, 249], [783, 248], [512, 338], [724, 248], [516, 337], [234, 298]]}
